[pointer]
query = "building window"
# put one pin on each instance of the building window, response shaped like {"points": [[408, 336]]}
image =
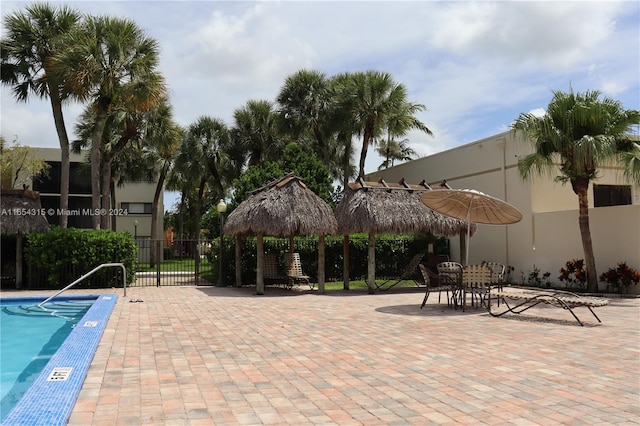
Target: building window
{"points": [[79, 179], [611, 195], [137, 208]]}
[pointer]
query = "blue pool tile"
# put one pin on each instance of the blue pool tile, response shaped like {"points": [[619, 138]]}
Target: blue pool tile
{"points": [[50, 402]]}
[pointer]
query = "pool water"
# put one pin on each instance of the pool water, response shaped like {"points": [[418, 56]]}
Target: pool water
{"points": [[29, 337]]}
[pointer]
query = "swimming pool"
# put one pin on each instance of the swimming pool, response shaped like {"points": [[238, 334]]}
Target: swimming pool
{"points": [[50, 395]]}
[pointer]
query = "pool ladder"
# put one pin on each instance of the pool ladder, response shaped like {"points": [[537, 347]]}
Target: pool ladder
{"points": [[104, 265]]}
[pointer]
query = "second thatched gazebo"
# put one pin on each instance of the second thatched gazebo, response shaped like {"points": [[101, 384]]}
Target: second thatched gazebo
{"points": [[283, 208], [21, 214], [381, 207]]}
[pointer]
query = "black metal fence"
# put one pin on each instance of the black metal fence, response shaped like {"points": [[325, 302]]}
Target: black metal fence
{"points": [[183, 262], [192, 262]]}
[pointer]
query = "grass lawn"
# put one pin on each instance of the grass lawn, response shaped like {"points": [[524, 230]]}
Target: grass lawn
{"points": [[176, 265]]}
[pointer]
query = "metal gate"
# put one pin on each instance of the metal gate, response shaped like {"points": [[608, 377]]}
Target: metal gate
{"points": [[182, 262]]}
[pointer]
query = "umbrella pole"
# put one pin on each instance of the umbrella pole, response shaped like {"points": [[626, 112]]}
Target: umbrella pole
{"points": [[466, 256]]}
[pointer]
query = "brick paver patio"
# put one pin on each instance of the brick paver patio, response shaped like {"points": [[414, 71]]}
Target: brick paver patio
{"points": [[223, 356]]}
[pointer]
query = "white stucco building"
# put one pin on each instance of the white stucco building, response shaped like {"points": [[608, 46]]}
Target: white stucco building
{"points": [[548, 235]]}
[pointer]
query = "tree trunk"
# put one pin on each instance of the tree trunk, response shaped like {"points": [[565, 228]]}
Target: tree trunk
{"points": [[105, 204], [238, 261], [322, 146], [345, 262], [197, 224], [363, 153], [260, 269], [321, 261], [107, 176], [96, 148], [19, 244], [371, 263], [346, 163], [114, 202], [154, 213], [581, 188], [56, 106]]}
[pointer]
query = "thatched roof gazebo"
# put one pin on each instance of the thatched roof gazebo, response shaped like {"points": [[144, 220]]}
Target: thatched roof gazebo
{"points": [[381, 207], [284, 207], [21, 214]]}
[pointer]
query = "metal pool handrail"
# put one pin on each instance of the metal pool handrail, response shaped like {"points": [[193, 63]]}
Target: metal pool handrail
{"points": [[104, 265]]}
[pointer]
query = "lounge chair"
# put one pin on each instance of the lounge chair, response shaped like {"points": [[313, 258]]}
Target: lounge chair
{"points": [[409, 274], [528, 298], [293, 266], [271, 272]]}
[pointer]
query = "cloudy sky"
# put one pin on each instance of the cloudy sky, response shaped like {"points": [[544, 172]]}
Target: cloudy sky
{"points": [[475, 65]]}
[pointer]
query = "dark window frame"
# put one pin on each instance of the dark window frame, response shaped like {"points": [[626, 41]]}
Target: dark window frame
{"points": [[611, 195]]}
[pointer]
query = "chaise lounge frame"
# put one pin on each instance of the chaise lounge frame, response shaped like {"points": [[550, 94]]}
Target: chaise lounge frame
{"points": [[528, 298], [407, 275]]}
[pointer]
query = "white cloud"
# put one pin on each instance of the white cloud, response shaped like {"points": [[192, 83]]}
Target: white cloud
{"points": [[558, 34], [538, 112], [475, 65]]}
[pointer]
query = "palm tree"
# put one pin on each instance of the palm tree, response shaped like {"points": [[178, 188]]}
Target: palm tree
{"points": [[110, 62], [122, 126], [376, 102], [33, 38], [306, 101], [163, 136], [579, 134], [393, 150], [202, 164], [344, 124], [255, 131]]}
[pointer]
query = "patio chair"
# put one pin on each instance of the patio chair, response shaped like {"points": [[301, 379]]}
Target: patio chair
{"points": [[452, 271], [497, 276], [476, 279], [293, 267], [435, 283], [271, 272], [408, 274]]}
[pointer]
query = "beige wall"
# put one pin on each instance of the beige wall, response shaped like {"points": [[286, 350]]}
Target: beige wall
{"points": [[129, 193], [548, 235]]}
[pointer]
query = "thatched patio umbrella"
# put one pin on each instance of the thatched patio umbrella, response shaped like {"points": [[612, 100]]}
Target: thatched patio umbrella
{"points": [[284, 207], [21, 214], [380, 207]]}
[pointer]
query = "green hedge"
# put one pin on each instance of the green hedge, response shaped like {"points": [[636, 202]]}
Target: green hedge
{"points": [[392, 254], [60, 256]]}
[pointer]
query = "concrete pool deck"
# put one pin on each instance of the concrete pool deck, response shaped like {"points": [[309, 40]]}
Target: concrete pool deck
{"points": [[223, 356]]}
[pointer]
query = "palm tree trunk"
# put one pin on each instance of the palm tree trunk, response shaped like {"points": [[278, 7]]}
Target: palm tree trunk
{"points": [[371, 263], [321, 262], [106, 192], [65, 163], [322, 146], [112, 194], [346, 162], [345, 262], [154, 212], [197, 224], [366, 138], [96, 148], [260, 268], [238, 261], [581, 187]]}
